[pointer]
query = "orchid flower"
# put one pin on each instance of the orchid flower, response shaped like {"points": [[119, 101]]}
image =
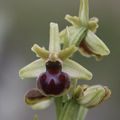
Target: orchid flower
{"points": [[54, 71], [82, 33]]}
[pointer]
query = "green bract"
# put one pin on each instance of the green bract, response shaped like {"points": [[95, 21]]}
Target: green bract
{"points": [[82, 33]]}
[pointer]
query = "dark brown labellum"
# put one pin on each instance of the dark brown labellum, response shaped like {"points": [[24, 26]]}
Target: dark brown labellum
{"points": [[53, 67], [53, 81], [53, 84]]}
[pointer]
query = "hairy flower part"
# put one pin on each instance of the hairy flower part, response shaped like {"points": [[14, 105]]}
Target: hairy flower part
{"points": [[91, 96], [53, 81], [82, 33]]}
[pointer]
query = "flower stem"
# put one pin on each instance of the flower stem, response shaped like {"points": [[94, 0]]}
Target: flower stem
{"points": [[72, 111], [58, 105], [82, 113]]}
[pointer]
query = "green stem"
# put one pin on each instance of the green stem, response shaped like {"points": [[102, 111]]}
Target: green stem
{"points": [[73, 111], [58, 105], [82, 113]]}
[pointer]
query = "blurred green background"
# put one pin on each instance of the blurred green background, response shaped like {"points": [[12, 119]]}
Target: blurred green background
{"points": [[25, 22]]}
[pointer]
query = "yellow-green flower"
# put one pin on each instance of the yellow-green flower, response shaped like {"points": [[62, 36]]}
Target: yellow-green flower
{"points": [[82, 33], [45, 70]]}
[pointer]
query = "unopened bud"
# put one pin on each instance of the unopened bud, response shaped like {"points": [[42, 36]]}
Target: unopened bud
{"points": [[94, 95]]}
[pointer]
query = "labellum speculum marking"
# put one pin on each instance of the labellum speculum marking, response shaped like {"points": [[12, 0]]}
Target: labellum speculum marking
{"points": [[53, 81]]}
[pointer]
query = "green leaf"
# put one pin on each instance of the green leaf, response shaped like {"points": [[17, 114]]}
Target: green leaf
{"points": [[75, 70], [40, 52], [32, 70], [84, 12], [54, 45]]}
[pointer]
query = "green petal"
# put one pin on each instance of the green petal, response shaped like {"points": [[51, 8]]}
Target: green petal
{"points": [[40, 52], [36, 100], [93, 24], [66, 53], [54, 45], [96, 45], [74, 20], [75, 70], [84, 12], [33, 69]]}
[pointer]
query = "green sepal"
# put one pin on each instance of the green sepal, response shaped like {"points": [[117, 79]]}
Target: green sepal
{"points": [[96, 45], [84, 12], [75, 70], [54, 45], [33, 70]]}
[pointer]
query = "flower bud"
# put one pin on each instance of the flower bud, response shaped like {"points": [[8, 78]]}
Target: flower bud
{"points": [[94, 95]]}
